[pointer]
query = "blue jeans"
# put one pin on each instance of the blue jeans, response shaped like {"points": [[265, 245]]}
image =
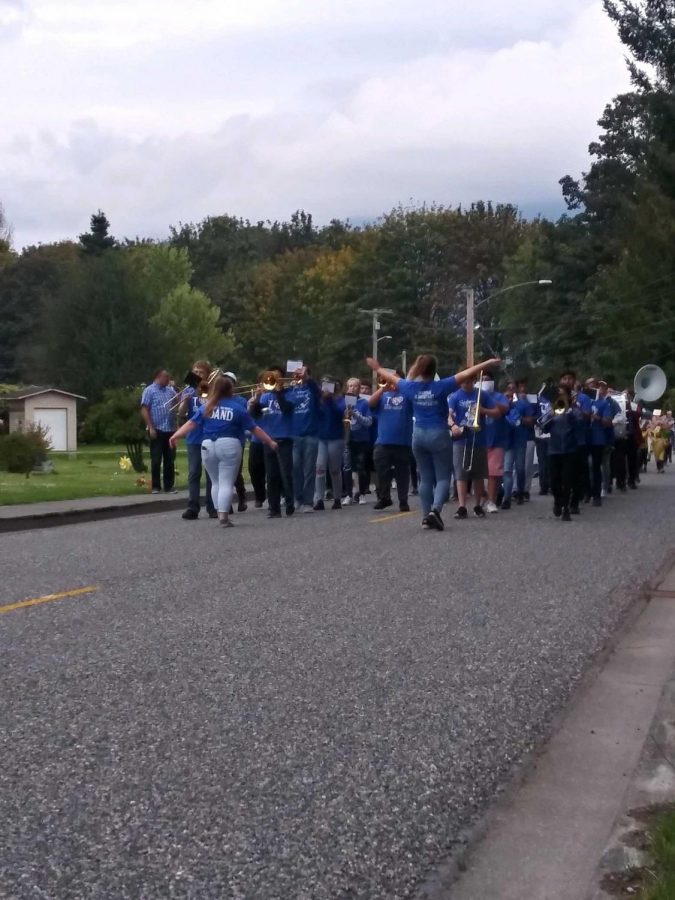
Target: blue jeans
{"points": [[514, 458], [433, 452], [304, 468]]}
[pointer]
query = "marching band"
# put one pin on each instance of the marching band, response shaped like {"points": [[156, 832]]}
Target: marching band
{"points": [[313, 442]]}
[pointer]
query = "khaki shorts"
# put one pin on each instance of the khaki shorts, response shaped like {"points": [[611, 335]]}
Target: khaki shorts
{"points": [[495, 457], [462, 456]]}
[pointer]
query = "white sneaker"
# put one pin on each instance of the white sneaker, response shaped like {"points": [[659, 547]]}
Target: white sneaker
{"points": [[307, 509], [603, 493], [347, 501], [362, 500], [491, 507], [299, 509]]}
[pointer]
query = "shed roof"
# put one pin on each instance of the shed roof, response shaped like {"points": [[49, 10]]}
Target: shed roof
{"points": [[33, 390]]}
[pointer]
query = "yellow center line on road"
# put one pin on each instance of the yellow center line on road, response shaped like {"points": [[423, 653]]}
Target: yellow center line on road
{"points": [[35, 601], [390, 518]]}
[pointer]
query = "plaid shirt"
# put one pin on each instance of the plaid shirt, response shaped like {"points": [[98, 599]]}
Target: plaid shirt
{"points": [[156, 399]]}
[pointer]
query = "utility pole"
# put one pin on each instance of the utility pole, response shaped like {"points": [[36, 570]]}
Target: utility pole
{"points": [[470, 304], [404, 363], [375, 314]]}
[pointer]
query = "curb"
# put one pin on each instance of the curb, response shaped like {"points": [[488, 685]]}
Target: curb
{"points": [[97, 514]]}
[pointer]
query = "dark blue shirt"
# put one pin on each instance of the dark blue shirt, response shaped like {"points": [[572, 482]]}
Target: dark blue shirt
{"points": [[195, 401], [600, 408], [394, 419], [429, 400], [274, 421], [583, 403], [563, 430], [331, 414], [497, 431], [522, 408], [360, 430], [305, 401]]}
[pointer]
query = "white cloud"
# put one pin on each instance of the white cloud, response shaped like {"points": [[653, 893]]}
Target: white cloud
{"points": [[166, 112]]}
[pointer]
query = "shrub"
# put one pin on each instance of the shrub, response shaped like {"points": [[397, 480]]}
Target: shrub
{"points": [[117, 420], [17, 453], [38, 438]]}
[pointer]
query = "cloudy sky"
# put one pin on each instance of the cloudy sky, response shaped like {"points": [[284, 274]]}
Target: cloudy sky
{"points": [[160, 111]]}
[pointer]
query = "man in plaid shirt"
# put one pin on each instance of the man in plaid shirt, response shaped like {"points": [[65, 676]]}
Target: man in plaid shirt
{"points": [[161, 424]]}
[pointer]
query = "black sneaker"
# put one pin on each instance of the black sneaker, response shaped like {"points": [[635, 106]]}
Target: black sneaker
{"points": [[318, 506], [520, 499], [290, 510], [403, 507], [258, 504], [543, 493], [435, 521], [506, 504], [243, 506], [336, 504], [574, 509], [479, 512], [526, 496], [226, 523], [566, 517], [557, 510], [190, 514], [383, 504], [463, 514], [213, 514], [425, 524], [597, 501], [329, 495], [273, 515]]}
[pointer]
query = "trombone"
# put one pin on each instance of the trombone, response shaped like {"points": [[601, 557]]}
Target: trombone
{"points": [[474, 424]]}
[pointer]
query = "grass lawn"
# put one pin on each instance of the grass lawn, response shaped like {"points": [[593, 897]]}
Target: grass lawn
{"points": [[91, 472], [660, 880]]}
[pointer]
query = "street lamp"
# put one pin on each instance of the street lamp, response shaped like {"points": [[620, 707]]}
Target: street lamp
{"points": [[385, 337], [471, 306]]}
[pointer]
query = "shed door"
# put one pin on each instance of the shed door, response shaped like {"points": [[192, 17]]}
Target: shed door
{"points": [[56, 420]]}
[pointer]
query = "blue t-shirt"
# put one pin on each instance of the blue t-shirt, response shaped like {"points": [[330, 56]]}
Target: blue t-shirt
{"points": [[522, 408], [305, 400], [463, 405], [360, 431], [228, 419], [275, 422], [600, 408], [394, 419], [498, 431], [429, 401], [582, 402], [331, 414], [613, 410]]}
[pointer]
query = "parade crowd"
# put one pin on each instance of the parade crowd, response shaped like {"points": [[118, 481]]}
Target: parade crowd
{"points": [[316, 443]]}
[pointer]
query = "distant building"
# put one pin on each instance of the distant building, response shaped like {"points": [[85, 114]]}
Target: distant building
{"points": [[50, 407]]}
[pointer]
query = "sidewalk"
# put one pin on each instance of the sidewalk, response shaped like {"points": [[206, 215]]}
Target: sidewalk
{"points": [[23, 516], [546, 839]]}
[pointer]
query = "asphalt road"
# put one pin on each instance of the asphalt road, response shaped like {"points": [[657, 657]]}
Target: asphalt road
{"points": [[306, 708]]}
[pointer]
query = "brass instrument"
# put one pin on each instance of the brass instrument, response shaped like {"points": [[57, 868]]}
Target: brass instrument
{"points": [[272, 382], [192, 382], [561, 405], [474, 425]]}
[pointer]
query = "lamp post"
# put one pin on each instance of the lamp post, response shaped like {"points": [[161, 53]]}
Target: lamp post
{"points": [[375, 314], [471, 306]]}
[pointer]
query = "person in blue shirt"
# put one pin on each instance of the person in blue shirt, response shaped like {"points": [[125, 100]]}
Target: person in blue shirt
{"points": [[239, 485], [563, 429], [276, 411], [304, 396], [391, 455], [545, 397], [193, 399], [581, 485], [601, 419], [224, 422], [469, 445], [256, 466], [331, 445], [524, 442], [431, 439], [360, 422], [607, 460], [159, 415]]}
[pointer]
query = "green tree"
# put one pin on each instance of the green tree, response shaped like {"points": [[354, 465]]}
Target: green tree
{"points": [[185, 327], [97, 240]]}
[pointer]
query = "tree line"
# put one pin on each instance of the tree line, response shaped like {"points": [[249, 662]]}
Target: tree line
{"points": [[99, 313]]}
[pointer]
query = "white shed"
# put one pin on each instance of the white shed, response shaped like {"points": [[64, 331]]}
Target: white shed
{"points": [[48, 406]]}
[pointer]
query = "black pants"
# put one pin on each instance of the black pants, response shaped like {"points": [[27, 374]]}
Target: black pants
{"points": [[194, 452], [619, 462], [542, 458], [632, 461], [256, 470], [391, 459], [239, 485], [597, 454], [358, 462], [279, 469], [161, 456], [562, 471], [581, 487]]}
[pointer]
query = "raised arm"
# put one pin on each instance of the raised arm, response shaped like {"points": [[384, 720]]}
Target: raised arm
{"points": [[477, 369]]}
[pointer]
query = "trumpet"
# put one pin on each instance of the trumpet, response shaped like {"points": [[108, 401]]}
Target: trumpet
{"points": [[272, 382], [561, 405]]}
